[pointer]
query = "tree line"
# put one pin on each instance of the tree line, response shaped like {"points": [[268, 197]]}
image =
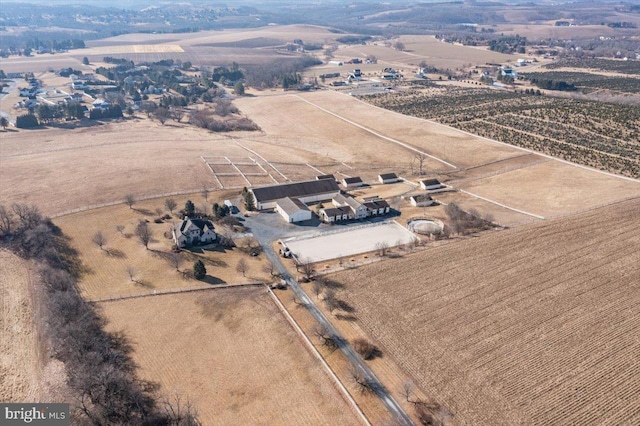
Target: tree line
{"points": [[101, 376]]}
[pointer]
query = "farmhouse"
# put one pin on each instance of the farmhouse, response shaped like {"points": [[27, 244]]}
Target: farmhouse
{"points": [[293, 210], [429, 184], [193, 231], [352, 182], [388, 178], [307, 192], [421, 200]]}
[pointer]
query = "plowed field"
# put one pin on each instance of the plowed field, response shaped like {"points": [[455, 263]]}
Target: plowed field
{"points": [[537, 325]]}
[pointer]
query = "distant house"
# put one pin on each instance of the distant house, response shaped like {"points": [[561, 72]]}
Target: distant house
{"points": [[332, 177], [429, 184], [101, 104], [421, 200], [508, 72], [352, 182], [307, 192], [293, 210], [388, 178], [193, 231]]}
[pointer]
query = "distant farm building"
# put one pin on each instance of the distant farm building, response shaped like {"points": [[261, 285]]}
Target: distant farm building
{"points": [[193, 231], [348, 208], [293, 210], [352, 182], [307, 192], [421, 200], [332, 177], [388, 178], [429, 184]]}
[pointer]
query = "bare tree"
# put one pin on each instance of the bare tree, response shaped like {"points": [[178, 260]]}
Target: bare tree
{"points": [[129, 200], [365, 348], [179, 413], [144, 233], [29, 216], [6, 221], [120, 228], [132, 273], [328, 339], [242, 266], [99, 239], [364, 385], [162, 114], [382, 248], [318, 287], [330, 300], [306, 266], [204, 191], [170, 204], [269, 268], [419, 158]]}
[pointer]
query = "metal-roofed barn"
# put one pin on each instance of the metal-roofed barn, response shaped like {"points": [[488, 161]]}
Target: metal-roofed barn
{"points": [[293, 210], [307, 192]]}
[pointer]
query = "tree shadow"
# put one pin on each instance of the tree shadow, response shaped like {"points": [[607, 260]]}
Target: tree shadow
{"points": [[144, 284], [348, 318], [144, 212], [118, 254], [213, 280], [345, 306]]}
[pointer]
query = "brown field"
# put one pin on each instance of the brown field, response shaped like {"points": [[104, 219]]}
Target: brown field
{"points": [[532, 326], [106, 270], [19, 359], [232, 353]]}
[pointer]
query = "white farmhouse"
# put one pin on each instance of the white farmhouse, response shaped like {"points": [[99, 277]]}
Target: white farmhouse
{"points": [[193, 231]]}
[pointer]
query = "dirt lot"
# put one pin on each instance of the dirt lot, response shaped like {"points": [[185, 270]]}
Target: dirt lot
{"points": [[531, 326], [106, 272], [233, 354], [19, 363]]}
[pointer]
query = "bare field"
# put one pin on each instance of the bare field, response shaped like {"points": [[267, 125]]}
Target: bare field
{"points": [[231, 352], [553, 188], [62, 169], [531, 326], [106, 272], [19, 363]]}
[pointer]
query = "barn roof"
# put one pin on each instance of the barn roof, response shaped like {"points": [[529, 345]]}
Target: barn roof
{"points": [[387, 176], [293, 190], [325, 177], [354, 179], [430, 182], [291, 205]]}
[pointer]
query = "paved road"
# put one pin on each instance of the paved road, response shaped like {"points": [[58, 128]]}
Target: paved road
{"points": [[265, 229]]}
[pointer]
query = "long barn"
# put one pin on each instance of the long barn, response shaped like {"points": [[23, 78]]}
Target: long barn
{"points": [[308, 192]]}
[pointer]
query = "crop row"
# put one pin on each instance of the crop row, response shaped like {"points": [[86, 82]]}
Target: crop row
{"points": [[597, 134], [625, 67], [590, 81]]}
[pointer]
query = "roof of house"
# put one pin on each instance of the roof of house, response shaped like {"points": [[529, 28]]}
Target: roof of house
{"points": [[335, 211], [430, 182], [386, 176], [374, 205], [292, 190], [325, 177], [354, 179], [197, 222], [342, 199], [291, 205]]}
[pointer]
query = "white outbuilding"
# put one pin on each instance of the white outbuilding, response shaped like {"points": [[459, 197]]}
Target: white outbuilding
{"points": [[293, 210]]}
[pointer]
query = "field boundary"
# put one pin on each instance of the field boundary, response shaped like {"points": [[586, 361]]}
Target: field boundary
{"points": [[315, 352], [170, 291]]}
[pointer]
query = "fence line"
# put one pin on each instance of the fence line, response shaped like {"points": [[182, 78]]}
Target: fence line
{"points": [[171, 291]]}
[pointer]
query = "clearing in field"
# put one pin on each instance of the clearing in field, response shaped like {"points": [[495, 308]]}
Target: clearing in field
{"points": [[532, 326], [364, 239], [232, 354]]}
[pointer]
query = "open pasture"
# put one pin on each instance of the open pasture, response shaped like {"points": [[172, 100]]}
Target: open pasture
{"points": [[532, 326], [232, 354], [107, 269]]}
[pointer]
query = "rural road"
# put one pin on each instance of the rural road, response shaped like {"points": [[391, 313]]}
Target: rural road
{"points": [[266, 236]]}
